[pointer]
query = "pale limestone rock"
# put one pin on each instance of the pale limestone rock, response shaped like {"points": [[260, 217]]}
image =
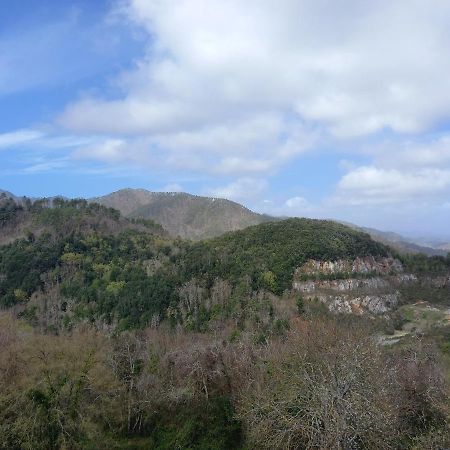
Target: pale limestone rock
{"points": [[355, 294]]}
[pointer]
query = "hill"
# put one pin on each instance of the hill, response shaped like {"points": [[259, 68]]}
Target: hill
{"points": [[36, 240], [130, 272], [8, 194], [269, 253], [185, 215], [398, 242], [445, 247], [22, 218]]}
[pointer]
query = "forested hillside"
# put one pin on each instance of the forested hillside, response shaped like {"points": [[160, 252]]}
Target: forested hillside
{"points": [[115, 335], [107, 268], [269, 253]]}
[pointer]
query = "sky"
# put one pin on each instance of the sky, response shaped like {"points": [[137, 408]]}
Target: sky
{"points": [[319, 108]]}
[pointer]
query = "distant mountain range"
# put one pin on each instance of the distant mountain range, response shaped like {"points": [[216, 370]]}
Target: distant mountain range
{"points": [[400, 243], [195, 217]]}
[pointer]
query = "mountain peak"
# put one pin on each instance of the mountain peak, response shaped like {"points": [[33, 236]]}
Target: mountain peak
{"points": [[182, 214]]}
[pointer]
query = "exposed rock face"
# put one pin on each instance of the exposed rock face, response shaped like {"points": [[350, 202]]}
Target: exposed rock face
{"points": [[440, 282], [358, 294], [351, 284], [374, 304], [364, 265]]}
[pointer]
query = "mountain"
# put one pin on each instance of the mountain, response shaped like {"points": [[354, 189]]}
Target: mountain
{"points": [[185, 215], [439, 244], [93, 264], [195, 217], [445, 247], [4, 193], [398, 242]]}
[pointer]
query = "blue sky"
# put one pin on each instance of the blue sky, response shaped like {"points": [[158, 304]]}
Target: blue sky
{"points": [[307, 108]]}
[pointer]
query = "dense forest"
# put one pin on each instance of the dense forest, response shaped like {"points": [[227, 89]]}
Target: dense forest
{"points": [[115, 335], [104, 269]]}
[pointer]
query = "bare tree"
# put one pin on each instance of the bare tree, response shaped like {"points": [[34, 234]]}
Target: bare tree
{"points": [[323, 388]]}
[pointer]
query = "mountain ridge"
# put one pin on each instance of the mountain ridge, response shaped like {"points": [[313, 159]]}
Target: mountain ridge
{"points": [[398, 242], [196, 217], [182, 214]]}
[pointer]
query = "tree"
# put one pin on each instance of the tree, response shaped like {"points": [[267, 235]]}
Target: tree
{"points": [[322, 388], [299, 302]]}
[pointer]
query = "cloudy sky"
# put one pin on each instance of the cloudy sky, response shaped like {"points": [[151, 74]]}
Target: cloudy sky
{"points": [[320, 108]]}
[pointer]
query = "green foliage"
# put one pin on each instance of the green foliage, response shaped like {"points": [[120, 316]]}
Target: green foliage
{"points": [[209, 426], [129, 277], [8, 209], [149, 224], [30, 315], [157, 395], [277, 248], [299, 302], [420, 263], [22, 264], [111, 279], [78, 247]]}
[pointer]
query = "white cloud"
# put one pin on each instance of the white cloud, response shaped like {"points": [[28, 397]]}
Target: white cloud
{"points": [[401, 171], [409, 155], [47, 166], [376, 186], [243, 189], [236, 90], [45, 139], [110, 151], [19, 137], [210, 60], [297, 203], [254, 146], [242, 88], [171, 187]]}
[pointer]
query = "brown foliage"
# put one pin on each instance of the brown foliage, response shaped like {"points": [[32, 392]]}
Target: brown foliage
{"points": [[330, 387], [322, 385]]}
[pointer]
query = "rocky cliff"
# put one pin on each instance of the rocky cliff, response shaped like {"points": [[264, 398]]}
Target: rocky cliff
{"points": [[360, 265], [363, 285]]}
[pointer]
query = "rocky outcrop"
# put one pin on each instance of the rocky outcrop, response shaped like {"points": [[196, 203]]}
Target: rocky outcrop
{"points": [[354, 290], [362, 265], [373, 304], [439, 282], [352, 284]]}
